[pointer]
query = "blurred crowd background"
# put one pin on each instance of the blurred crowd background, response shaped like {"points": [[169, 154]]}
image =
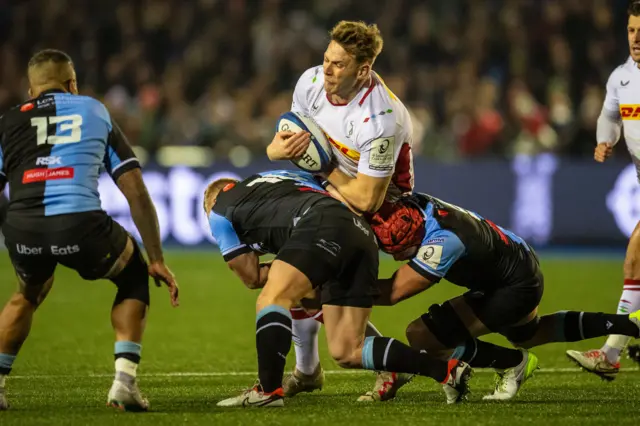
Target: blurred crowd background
{"points": [[481, 77]]}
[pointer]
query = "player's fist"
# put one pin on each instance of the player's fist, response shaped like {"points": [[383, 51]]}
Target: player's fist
{"points": [[603, 151], [288, 145], [162, 274]]}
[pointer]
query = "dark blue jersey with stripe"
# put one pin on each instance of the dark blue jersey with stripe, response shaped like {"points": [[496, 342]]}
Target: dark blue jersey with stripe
{"points": [[52, 150], [465, 248], [260, 212]]}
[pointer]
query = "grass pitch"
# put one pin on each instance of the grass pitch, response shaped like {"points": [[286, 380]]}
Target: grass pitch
{"points": [[202, 352]]}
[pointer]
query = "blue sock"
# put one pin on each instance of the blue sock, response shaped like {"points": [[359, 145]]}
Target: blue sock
{"points": [[6, 363], [128, 350]]}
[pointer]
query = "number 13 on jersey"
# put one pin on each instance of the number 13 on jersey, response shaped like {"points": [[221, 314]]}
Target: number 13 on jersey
{"points": [[67, 123]]}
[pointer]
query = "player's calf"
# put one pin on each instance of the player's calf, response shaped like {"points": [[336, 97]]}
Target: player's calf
{"points": [[15, 325], [128, 320], [285, 286]]}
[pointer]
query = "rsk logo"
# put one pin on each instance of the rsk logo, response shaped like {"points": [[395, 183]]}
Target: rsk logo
{"points": [[630, 112], [48, 161]]}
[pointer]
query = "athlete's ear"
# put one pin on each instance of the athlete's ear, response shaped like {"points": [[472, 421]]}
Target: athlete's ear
{"points": [[30, 93], [73, 86], [364, 70]]}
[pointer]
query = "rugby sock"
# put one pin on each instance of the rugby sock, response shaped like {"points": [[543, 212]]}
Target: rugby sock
{"points": [[273, 341], [387, 354], [573, 326], [305, 340], [6, 364], [629, 302], [481, 354], [127, 355]]}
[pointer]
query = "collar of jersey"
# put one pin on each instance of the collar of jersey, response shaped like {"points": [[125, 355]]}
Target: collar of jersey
{"points": [[52, 92]]}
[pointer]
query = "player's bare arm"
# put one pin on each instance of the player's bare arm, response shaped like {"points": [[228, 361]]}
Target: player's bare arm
{"points": [[288, 145], [248, 268], [403, 284], [144, 216], [364, 193]]}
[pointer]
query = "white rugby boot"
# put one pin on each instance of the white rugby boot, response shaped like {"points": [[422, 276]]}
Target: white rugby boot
{"points": [[509, 381], [127, 397], [255, 397], [595, 361], [456, 387]]}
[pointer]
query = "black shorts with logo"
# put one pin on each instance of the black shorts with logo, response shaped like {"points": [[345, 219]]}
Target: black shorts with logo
{"points": [[88, 242], [337, 251]]}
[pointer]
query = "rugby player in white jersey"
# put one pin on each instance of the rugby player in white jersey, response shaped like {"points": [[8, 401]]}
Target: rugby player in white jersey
{"points": [[621, 111], [370, 132]]}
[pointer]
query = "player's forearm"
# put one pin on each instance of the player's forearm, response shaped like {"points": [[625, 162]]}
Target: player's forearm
{"points": [[145, 217], [248, 268], [361, 197], [385, 286], [608, 128], [263, 274]]}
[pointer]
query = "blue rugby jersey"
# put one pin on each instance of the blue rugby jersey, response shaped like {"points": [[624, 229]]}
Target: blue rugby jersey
{"points": [[52, 150]]}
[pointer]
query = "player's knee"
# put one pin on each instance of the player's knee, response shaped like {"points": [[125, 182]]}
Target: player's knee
{"points": [[34, 294], [416, 333], [133, 280], [523, 336], [445, 326]]}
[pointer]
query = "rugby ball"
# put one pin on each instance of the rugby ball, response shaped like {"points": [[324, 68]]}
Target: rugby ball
{"points": [[317, 158]]}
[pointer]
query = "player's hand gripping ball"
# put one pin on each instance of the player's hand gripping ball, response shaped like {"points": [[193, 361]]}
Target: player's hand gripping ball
{"points": [[398, 226], [318, 156]]}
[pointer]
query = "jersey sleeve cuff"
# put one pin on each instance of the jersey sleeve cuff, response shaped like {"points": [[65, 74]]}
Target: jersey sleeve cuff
{"points": [[426, 274], [235, 252], [125, 166]]}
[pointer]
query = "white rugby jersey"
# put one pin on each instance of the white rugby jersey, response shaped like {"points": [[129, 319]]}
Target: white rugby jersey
{"points": [[371, 135], [622, 102]]}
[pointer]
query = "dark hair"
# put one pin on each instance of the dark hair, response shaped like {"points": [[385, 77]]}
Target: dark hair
{"points": [[634, 8], [50, 55]]}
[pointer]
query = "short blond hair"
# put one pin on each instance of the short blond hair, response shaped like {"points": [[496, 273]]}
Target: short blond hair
{"points": [[212, 191], [362, 41]]}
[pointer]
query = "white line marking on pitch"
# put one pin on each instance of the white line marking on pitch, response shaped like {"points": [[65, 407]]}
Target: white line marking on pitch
{"points": [[254, 373]]}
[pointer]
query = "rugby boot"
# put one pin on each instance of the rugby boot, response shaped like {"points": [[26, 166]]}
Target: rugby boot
{"points": [[456, 386], [255, 397], [595, 361], [298, 382], [386, 386], [509, 381]]}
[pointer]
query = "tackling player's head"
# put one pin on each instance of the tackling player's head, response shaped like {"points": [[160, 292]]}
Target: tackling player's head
{"points": [[51, 69], [212, 191], [399, 228], [353, 49], [633, 29]]}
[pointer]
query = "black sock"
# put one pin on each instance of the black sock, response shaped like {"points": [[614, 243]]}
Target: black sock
{"points": [[481, 354], [585, 325], [273, 341], [386, 354]]}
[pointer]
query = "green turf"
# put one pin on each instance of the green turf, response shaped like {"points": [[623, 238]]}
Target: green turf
{"points": [[63, 372]]}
